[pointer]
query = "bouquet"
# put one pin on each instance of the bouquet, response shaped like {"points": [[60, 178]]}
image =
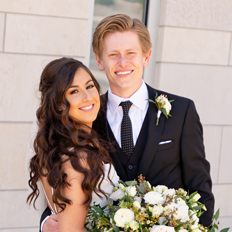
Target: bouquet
{"points": [[142, 208]]}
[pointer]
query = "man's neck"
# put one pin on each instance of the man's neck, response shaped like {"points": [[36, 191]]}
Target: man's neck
{"points": [[125, 93]]}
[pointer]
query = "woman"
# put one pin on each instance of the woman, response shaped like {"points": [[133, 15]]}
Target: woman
{"points": [[69, 159]]}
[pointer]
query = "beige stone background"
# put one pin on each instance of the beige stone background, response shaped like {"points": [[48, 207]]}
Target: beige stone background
{"points": [[193, 60]]}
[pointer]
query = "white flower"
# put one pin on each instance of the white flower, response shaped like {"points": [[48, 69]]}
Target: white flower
{"points": [[153, 197], [162, 228], [194, 217], [196, 197], [161, 189], [181, 210], [194, 228], [170, 192], [138, 199], [121, 186], [165, 103], [134, 225], [123, 216], [194, 205], [119, 194], [131, 191], [136, 204], [157, 210]]}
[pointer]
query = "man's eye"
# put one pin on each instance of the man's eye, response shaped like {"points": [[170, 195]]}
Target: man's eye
{"points": [[74, 91], [89, 86], [113, 54]]}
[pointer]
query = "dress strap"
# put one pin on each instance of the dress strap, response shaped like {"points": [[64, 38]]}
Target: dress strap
{"points": [[53, 211]]}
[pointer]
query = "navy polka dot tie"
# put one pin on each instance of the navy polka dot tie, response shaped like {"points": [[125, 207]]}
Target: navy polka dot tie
{"points": [[126, 130]]}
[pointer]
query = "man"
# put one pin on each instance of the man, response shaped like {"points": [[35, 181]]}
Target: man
{"points": [[170, 153]]}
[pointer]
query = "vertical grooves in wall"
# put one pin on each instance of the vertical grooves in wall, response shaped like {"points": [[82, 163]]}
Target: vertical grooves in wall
{"points": [[230, 49], [4, 34], [219, 161]]}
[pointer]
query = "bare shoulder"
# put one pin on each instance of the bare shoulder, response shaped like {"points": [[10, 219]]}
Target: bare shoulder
{"points": [[71, 172]]}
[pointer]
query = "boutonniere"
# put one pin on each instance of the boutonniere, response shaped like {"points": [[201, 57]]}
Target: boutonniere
{"points": [[163, 104]]}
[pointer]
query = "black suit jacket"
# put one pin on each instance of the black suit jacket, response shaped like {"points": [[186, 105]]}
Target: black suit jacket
{"points": [[179, 164]]}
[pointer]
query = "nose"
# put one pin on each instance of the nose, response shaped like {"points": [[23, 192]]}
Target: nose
{"points": [[87, 96], [123, 61]]}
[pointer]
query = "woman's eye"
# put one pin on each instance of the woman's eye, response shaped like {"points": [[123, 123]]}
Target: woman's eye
{"points": [[90, 86], [74, 91]]}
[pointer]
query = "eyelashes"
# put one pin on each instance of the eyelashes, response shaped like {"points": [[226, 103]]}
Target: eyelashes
{"points": [[87, 87]]}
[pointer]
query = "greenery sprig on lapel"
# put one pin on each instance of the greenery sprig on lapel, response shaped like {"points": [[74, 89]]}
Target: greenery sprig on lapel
{"points": [[163, 104]]}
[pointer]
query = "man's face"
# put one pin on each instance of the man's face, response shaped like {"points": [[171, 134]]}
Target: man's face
{"points": [[123, 61]]}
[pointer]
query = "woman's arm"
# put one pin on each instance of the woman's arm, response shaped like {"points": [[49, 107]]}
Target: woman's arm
{"points": [[74, 216]]}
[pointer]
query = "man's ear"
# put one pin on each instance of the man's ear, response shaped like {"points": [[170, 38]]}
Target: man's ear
{"points": [[99, 63], [146, 59]]}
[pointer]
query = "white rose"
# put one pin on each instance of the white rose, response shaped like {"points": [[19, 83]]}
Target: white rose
{"points": [[157, 210], [170, 192], [123, 216], [136, 204], [196, 197], [153, 197], [161, 189], [134, 225], [119, 194], [121, 186], [167, 106], [131, 191], [181, 201], [138, 199], [181, 212], [162, 228]]}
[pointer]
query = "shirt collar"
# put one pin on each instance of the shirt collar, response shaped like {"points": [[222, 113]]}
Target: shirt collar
{"points": [[139, 99]]}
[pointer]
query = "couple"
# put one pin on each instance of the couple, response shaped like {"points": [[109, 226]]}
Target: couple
{"points": [[72, 161]]}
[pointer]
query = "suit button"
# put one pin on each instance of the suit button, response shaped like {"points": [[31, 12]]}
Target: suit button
{"points": [[130, 167]]}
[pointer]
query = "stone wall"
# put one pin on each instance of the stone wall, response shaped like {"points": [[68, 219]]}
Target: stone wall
{"points": [[32, 33], [194, 60]]}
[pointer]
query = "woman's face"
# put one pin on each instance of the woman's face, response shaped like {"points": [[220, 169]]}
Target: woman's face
{"points": [[83, 98]]}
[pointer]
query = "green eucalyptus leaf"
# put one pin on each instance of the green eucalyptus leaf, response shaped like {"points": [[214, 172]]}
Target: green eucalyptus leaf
{"points": [[116, 229], [212, 229], [180, 225], [131, 183], [225, 230], [216, 215], [198, 207], [151, 101]]}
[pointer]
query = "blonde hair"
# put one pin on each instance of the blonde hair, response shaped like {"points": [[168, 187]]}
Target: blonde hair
{"points": [[120, 23]]}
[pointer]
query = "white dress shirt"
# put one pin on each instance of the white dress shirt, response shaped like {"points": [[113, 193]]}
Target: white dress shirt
{"points": [[137, 112]]}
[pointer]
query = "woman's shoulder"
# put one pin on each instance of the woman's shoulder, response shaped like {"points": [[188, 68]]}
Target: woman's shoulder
{"points": [[69, 169]]}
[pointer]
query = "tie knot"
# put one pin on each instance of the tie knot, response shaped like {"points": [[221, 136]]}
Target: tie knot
{"points": [[126, 106]]}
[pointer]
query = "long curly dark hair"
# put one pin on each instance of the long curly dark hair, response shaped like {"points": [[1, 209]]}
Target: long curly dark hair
{"points": [[58, 132]]}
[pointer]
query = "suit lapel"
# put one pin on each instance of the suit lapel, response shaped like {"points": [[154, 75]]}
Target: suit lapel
{"points": [[153, 136]]}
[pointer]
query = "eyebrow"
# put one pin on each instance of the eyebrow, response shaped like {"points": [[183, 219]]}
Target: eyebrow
{"points": [[74, 86]]}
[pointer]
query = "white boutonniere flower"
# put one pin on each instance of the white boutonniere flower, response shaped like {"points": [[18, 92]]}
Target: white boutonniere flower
{"points": [[164, 106]]}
